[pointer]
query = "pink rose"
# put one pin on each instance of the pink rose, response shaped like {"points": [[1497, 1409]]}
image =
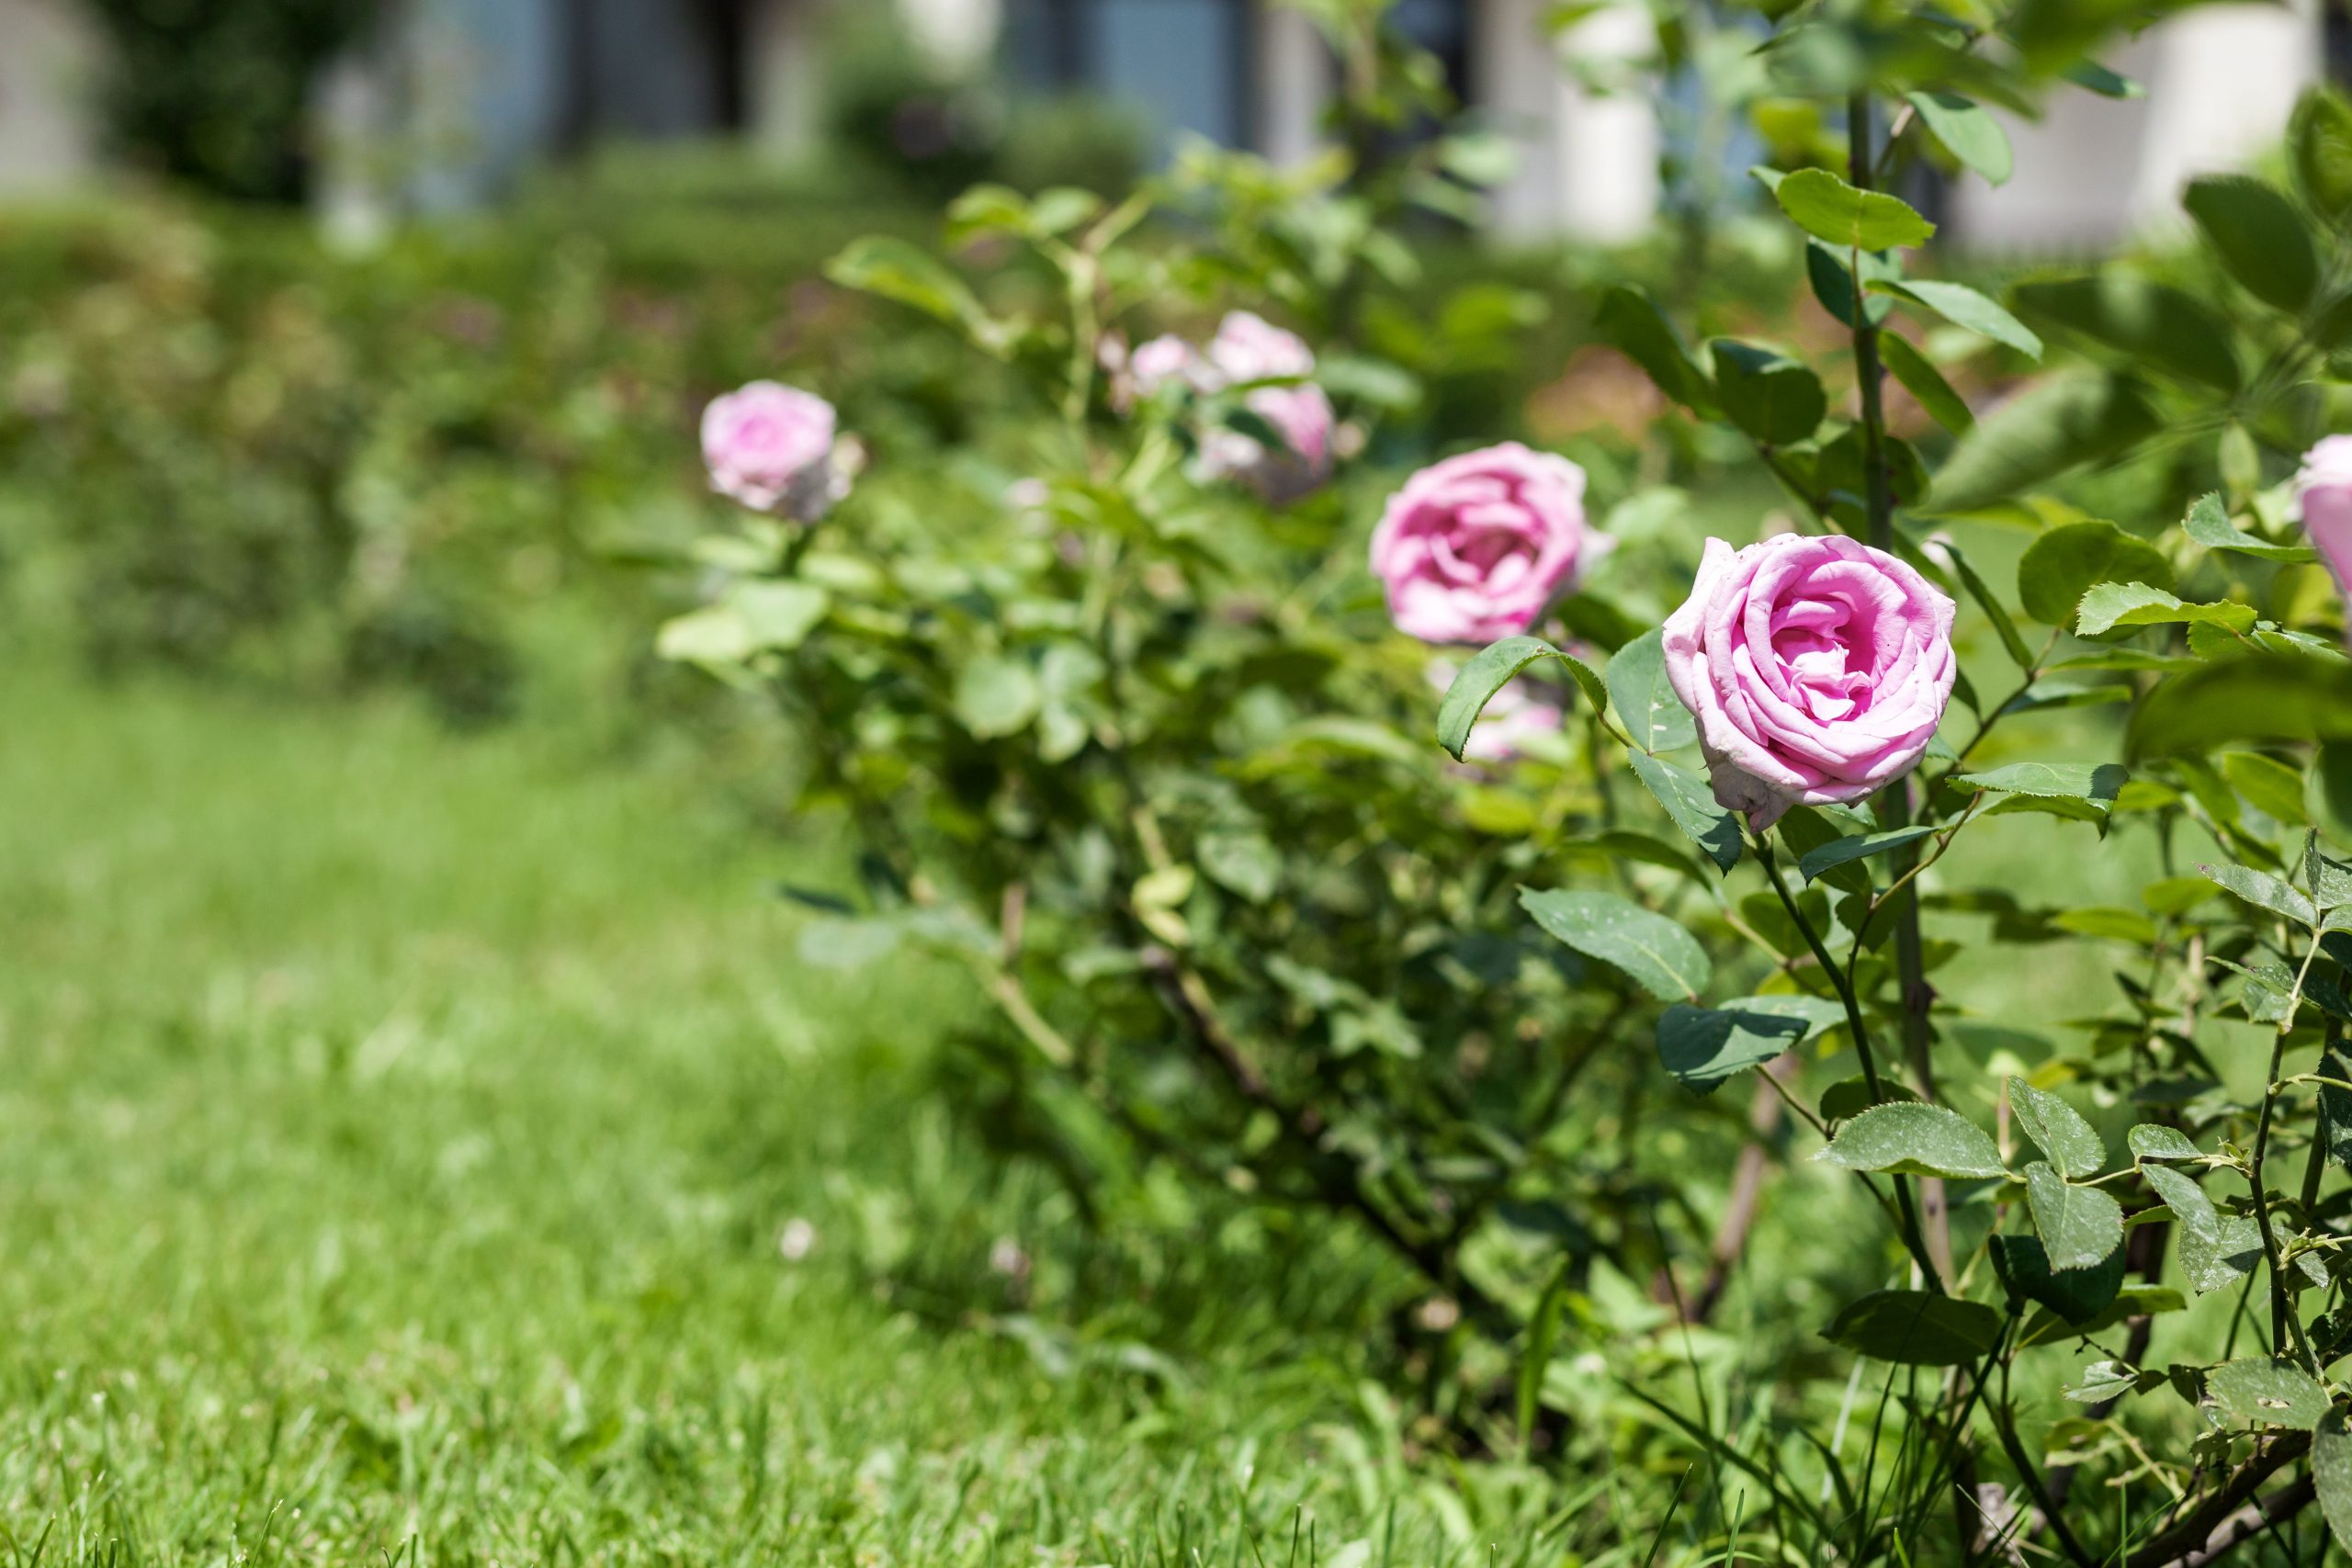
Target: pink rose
{"points": [[1162, 361], [1301, 415], [771, 447], [1246, 349], [1249, 348], [2323, 503], [1476, 548], [1817, 668]]}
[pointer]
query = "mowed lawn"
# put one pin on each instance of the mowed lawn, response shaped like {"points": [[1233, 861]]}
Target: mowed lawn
{"points": [[401, 1139]]}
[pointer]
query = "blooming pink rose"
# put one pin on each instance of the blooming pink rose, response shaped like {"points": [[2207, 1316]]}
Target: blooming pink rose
{"points": [[771, 447], [1817, 668], [2323, 503], [1477, 546]]}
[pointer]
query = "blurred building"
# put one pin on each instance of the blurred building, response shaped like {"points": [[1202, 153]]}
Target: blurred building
{"points": [[456, 97]]}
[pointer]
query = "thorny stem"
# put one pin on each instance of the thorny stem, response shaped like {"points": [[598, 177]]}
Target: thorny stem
{"points": [[2282, 1314], [1912, 1238]]}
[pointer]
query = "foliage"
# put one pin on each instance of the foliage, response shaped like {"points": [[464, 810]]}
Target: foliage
{"points": [[1128, 746], [1131, 745]]}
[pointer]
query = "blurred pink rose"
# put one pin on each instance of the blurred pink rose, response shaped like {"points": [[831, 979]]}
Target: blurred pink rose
{"points": [[1477, 546], [771, 447], [1247, 349], [1301, 415], [1817, 668], [1162, 361], [2323, 502]]}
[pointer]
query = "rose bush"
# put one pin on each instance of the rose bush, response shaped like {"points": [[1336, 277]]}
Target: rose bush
{"points": [[1131, 746], [1127, 739]]}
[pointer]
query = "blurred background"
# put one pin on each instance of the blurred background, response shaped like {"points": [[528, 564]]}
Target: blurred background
{"points": [[372, 112]]}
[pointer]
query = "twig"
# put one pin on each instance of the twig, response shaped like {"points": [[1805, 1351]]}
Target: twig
{"points": [[2193, 1538]]}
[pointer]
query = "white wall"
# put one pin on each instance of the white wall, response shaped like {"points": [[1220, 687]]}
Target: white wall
{"points": [[1587, 161], [1295, 78], [2220, 84], [48, 65]]}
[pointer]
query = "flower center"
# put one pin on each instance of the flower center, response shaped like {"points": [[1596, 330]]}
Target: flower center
{"points": [[1812, 639]]}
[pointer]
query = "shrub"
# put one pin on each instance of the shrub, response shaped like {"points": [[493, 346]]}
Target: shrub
{"points": [[1138, 749]]}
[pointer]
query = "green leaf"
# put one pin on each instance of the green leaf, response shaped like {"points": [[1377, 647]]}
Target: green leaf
{"points": [[2059, 424], [1542, 1335], [1767, 394], [1830, 271], [2319, 137], [1927, 384], [2091, 77], [2335, 1106], [1807, 829], [1653, 715], [1848, 1097], [1916, 1328], [1629, 322], [2098, 782], [1965, 307], [2058, 1130], [2118, 925], [1691, 802], [1824, 205], [778, 614], [1241, 861], [2003, 626], [1619, 845], [2111, 605], [2264, 891], [2268, 1393], [1489, 670], [2077, 1295], [996, 696], [2151, 323], [1702, 1046], [1968, 132], [2151, 1140], [2262, 697], [2059, 568], [2103, 1381], [897, 269], [2209, 524], [2079, 1226], [1659, 955], [752, 616], [1914, 1139], [2259, 237], [2131, 1301], [2332, 1474], [2213, 1255], [2271, 787], [1857, 846]]}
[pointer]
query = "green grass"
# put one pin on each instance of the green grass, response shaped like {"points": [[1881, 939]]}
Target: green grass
{"points": [[396, 1135]]}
